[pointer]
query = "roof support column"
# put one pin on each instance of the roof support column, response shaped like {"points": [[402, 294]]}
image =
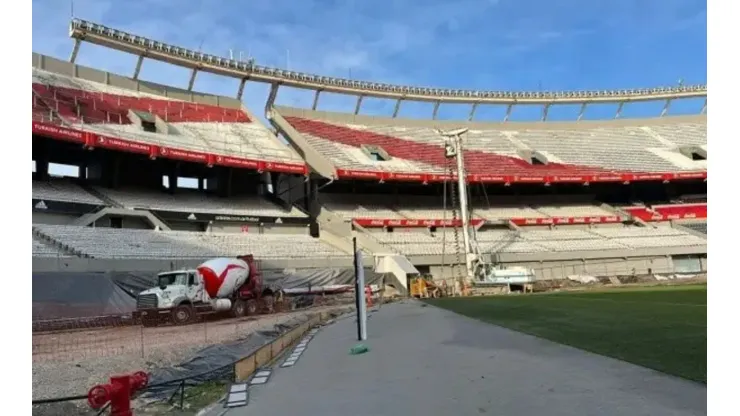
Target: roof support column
{"points": [[358, 105], [704, 107], [316, 100], [436, 109], [192, 79], [398, 107], [472, 111], [666, 107], [545, 110], [240, 92], [75, 49], [508, 112], [137, 70], [271, 98], [619, 110], [582, 111]]}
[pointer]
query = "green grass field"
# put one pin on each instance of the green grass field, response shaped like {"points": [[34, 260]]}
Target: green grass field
{"points": [[663, 328]]}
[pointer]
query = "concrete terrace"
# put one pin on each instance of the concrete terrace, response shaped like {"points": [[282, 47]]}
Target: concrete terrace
{"points": [[428, 361]]}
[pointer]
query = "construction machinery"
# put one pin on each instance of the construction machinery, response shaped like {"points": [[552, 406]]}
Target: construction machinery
{"points": [[227, 286]]}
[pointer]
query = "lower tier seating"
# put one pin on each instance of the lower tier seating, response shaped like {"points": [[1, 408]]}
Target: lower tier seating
{"points": [[540, 241], [148, 244]]}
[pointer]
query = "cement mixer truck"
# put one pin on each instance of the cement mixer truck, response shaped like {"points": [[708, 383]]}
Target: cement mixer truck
{"points": [[218, 286]]}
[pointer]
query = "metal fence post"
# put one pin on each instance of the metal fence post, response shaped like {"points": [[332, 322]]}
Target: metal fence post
{"points": [[141, 339]]}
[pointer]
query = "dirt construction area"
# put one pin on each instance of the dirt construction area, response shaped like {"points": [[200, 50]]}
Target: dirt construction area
{"points": [[68, 363]]}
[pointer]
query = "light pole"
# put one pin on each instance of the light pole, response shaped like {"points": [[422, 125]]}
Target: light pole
{"points": [[455, 150]]}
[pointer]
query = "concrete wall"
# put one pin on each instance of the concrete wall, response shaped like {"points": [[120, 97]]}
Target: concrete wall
{"points": [[38, 217], [137, 223], [234, 227]]}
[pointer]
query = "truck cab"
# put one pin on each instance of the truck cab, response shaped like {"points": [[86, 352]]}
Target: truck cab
{"points": [[174, 288]]}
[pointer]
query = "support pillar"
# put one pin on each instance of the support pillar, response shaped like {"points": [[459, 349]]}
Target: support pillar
{"points": [[75, 50], [137, 70], [398, 107], [508, 112], [191, 83], [316, 100], [666, 107], [472, 111], [240, 92], [358, 104], [582, 111]]}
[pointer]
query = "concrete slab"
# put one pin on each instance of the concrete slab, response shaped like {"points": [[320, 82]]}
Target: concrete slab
{"points": [[429, 361]]}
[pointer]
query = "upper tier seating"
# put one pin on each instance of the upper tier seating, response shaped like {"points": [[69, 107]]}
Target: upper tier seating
{"points": [[577, 149], [111, 243], [197, 202], [193, 126], [64, 191]]}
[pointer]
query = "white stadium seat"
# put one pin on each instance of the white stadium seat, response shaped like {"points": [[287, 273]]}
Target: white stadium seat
{"points": [[62, 190], [148, 244], [540, 241], [198, 202], [195, 127]]}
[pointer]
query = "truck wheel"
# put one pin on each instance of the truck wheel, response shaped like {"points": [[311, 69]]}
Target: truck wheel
{"points": [[252, 307], [182, 314], [269, 303], [239, 309]]}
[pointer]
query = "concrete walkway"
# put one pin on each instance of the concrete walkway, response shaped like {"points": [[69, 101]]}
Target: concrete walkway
{"points": [[428, 361]]}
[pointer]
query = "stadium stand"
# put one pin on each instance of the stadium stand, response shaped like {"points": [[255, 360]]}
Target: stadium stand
{"points": [[198, 202], [559, 149], [114, 243], [516, 159], [538, 241], [668, 212], [64, 191], [41, 249], [357, 206], [696, 226], [111, 111]]}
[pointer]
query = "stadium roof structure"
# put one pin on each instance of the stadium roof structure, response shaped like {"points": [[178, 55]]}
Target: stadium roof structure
{"points": [[82, 30]]}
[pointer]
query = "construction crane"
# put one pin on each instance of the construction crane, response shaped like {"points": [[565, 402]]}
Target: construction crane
{"points": [[454, 153]]}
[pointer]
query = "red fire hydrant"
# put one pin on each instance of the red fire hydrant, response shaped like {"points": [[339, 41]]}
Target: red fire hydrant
{"points": [[118, 392]]}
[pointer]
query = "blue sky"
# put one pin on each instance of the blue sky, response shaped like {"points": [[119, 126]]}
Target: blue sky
{"points": [[483, 44]]}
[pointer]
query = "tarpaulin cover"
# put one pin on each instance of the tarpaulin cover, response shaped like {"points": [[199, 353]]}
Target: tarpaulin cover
{"points": [[214, 362], [294, 278], [58, 295]]}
